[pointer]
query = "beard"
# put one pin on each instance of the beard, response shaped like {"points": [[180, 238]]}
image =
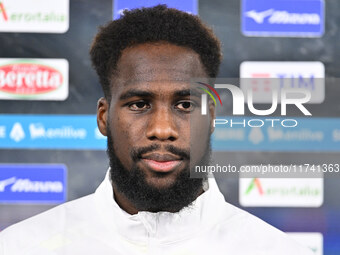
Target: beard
{"points": [[145, 197]]}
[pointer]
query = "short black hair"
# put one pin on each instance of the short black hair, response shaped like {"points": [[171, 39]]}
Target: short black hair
{"points": [[154, 24]]}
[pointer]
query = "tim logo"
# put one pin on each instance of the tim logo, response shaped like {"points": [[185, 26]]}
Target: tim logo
{"points": [[262, 77], [255, 184], [3, 12], [284, 80]]}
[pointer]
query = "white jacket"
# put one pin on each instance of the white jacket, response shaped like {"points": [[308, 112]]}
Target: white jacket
{"points": [[95, 224]]}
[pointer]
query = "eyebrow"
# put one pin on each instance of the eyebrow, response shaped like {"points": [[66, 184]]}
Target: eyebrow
{"points": [[187, 92], [142, 93], [135, 93]]}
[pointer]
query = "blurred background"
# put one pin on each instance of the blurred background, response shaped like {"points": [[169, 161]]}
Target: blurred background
{"points": [[52, 152]]}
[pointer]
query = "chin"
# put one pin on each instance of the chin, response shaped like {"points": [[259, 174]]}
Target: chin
{"points": [[161, 181]]}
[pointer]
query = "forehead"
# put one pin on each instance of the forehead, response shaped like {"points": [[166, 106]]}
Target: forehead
{"points": [[153, 63]]}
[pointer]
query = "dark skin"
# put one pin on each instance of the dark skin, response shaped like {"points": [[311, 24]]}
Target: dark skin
{"points": [[150, 105]]}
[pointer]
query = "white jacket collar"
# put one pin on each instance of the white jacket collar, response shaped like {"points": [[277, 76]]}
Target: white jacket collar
{"points": [[164, 226]]}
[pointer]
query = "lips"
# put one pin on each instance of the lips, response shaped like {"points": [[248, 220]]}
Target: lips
{"points": [[161, 162]]}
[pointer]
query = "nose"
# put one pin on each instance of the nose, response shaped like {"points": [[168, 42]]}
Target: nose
{"points": [[162, 125]]}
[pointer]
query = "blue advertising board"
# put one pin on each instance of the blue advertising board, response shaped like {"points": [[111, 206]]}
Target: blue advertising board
{"points": [[50, 132], [244, 134], [30, 183], [297, 18], [190, 6], [80, 132]]}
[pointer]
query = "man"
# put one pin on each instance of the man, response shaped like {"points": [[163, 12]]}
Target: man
{"points": [[148, 204]]}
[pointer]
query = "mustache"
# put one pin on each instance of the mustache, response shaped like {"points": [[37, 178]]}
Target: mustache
{"points": [[136, 153]]}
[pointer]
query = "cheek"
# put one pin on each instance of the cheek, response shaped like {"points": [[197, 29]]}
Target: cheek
{"points": [[126, 131], [199, 136], [199, 126]]}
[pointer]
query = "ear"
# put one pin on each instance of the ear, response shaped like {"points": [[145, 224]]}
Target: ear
{"points": [[102, 113], [212, 114]]}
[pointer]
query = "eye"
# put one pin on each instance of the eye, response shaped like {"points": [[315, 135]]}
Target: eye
{"points": [[185, 106], [139, 106]]}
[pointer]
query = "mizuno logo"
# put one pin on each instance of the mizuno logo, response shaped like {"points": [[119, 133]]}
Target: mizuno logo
{"points": [[26, 185], [5, 183], [259, 17], [284, 17]]}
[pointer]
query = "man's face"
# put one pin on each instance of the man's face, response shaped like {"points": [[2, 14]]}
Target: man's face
{"points": [[149, 124]]}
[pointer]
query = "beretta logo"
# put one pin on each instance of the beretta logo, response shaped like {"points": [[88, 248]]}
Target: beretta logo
{"points": [[29, 78], [34, 79]]}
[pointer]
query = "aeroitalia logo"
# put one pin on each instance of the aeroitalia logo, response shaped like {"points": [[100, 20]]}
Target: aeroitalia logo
{"points": [[277, 192], [255, 184], [3, 12], [34, 16]]}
